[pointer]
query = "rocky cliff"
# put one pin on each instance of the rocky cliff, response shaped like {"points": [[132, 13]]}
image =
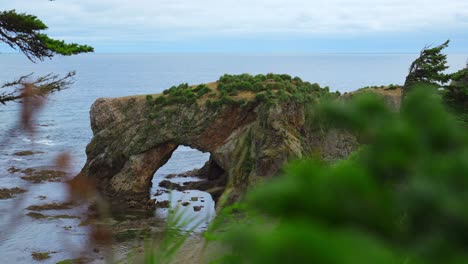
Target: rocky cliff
{"points": [[250, 125]]}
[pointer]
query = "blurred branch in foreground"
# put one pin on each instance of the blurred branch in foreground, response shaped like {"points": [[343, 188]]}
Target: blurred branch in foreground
{"points": [[42, 86]]}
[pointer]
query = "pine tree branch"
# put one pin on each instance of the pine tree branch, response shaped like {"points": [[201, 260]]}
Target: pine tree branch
{"points": [[44, 85], [23, 32]]}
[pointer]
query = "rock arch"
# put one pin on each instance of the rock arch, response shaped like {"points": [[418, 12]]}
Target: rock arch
{"points": [[129, 146], [248, 143]]}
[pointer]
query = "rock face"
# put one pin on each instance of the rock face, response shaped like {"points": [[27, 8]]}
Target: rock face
{"points": [[248, 143]]}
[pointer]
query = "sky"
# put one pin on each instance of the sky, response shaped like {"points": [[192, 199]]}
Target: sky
{"points": [[253, 26]]}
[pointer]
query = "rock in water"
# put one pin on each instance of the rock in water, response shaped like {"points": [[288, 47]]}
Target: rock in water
{"points": [[163, 204], [249, 136]]}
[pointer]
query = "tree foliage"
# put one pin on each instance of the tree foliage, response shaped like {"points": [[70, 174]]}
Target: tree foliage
{"points": [[23, 31], [456, 94], [428, 68]]}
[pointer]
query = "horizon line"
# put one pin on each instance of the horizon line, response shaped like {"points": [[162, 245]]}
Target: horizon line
{"points": [[236, 53]]}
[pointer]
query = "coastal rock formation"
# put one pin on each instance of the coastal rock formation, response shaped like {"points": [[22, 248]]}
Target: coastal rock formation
{"points": [[249, 140]]}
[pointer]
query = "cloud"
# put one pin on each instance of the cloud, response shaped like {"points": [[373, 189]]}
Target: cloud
{"points": [[183, 20]]}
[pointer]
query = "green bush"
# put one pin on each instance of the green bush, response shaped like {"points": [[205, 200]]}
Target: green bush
{"points": [[201, 90], [261, 97], [161, 100]]}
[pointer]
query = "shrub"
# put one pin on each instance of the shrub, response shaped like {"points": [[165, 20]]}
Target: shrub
{"points": [[161, 100], [261, 97], [230, 85]]}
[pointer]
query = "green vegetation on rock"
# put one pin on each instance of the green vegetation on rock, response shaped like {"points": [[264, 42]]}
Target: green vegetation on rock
{"points": [[241, 90], [270, 88], [385, 87]]}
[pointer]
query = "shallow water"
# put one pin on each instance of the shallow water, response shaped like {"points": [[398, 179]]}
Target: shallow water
{"points": [[63, 126], [22, 235], [198, 220]]}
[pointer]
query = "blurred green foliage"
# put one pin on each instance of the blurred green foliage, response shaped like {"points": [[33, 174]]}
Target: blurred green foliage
{"points": [[401, 198], [175, 234]]}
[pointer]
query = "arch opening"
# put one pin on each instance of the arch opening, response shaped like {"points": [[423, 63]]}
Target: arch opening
{"points": [[189, 181]]}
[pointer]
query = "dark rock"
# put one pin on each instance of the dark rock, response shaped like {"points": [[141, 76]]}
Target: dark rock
{"points": [[194, 199], [211, 170], [197, 208], [151, 203], [27, 153], [170, 176], [93, 207], [163, 204], [63, 216], [6, 193], [51, 206], [215, 192], [13, 169], [39, 256], [170, 185], [36, 215], [160, 192], [191, 173], [43, 216], [185, 203], [40, 176], [132, 204], [28, 171]]}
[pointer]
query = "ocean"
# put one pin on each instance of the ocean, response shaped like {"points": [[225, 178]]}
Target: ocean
{"points": [[63, 125]]}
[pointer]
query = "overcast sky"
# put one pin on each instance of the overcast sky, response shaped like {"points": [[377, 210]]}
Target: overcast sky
{"points": [[286, 26]]}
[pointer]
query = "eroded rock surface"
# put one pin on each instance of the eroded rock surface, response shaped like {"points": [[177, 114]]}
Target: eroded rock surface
{"points": [[248, 143]]}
